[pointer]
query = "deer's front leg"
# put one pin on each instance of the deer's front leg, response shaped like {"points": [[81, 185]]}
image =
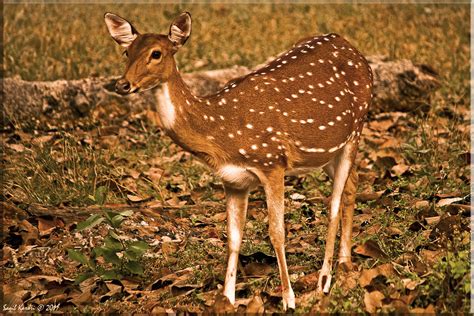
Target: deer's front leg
{"points": [[236, 208], [273, 184], [342, 168]]}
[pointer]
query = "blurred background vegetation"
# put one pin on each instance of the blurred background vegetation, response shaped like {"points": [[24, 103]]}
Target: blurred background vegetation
{"points": [[70, 41]]}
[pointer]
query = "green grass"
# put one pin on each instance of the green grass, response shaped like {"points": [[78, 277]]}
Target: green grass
{"points": [[61, 41]]}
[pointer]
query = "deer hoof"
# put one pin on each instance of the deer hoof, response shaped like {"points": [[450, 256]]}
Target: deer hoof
{"points": [[288, 300], [324, 281], [345, 266]]}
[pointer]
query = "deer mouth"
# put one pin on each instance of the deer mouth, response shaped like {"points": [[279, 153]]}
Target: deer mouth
{"points": [[146, 87]]}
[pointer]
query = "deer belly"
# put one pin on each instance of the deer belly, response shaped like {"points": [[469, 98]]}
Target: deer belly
{"points": [[316, 151], [311, 161]]}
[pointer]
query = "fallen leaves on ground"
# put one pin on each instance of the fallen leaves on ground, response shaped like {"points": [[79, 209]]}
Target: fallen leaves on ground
{"points": [[405, 224]]}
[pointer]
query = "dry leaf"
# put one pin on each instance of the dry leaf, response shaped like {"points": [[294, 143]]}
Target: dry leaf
{"points": [[136, 198], [369, 195], [154, 174], [386, 158], [134, 173], [429, 310], [175, 202], [373, 230], [17, 147], [412, 284], [399, 170], [154, 204], [381, 126], [297, 197], [46, 226], [15, 296], [373, 300], [368, 275], [129, 285], [370, 249], [444, 202], [448, 195], [431, 256], [432, 220], [219, 217], [255, 306], [113, 290], [28, 232], [158, 310], [397, 306], [222, 305], [81, 299], [393, 231], [391, 143], [307, 283], [423, 205]]}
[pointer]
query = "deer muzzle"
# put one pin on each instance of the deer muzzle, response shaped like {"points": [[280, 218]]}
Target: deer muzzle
{"points": [[123, 86]]}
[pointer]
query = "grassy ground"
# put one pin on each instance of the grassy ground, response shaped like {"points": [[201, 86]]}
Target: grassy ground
{"points": [[425, 242]]}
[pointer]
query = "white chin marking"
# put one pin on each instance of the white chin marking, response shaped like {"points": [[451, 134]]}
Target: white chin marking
{"points": [[166, 108]]}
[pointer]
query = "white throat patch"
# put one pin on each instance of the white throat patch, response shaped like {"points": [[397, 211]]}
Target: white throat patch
{"points": [[166, 107]]}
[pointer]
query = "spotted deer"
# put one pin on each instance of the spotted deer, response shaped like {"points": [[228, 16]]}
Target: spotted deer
{"points": [[303, 110]]}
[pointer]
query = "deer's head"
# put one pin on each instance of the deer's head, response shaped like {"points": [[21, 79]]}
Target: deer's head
{"points": [[150, 58]]}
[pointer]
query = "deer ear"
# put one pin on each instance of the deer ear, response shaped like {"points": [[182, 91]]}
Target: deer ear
{"points": [[180, 29], [120, 29]]}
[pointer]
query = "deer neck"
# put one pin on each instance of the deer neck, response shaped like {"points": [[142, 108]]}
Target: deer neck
{"points": [[181, 115]]}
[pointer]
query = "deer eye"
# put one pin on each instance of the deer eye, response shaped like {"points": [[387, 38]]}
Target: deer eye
{"points": [[156, 54], [125, 53]]}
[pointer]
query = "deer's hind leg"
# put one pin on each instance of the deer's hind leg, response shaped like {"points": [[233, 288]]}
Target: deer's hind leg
{"points": [[274, 186], [343, 195], [347, 212], [348, 205]]}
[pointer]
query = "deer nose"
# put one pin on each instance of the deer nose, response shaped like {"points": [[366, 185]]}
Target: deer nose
{"points": [[122, 86]]}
